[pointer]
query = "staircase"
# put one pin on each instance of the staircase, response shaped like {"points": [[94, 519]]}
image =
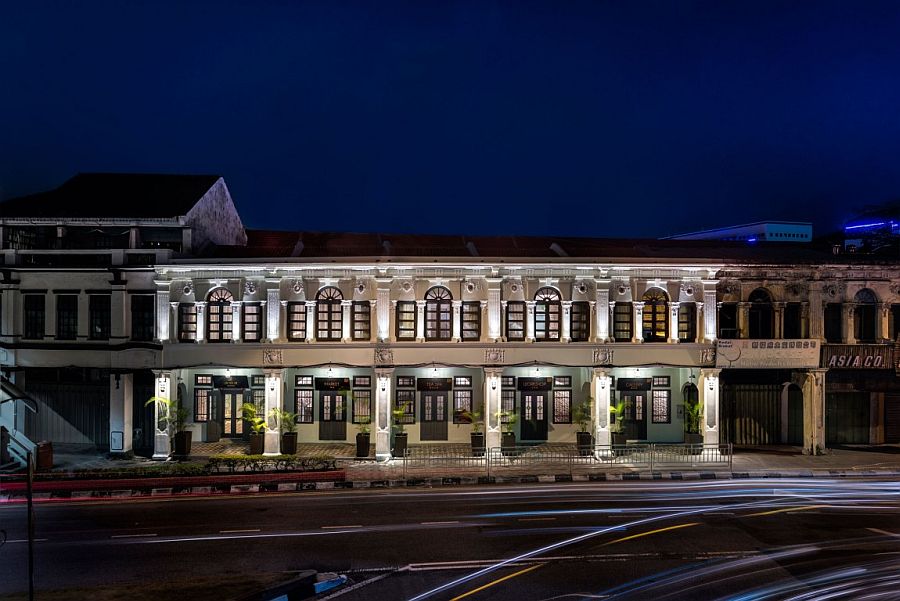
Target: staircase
{"points": [[14, 445]]}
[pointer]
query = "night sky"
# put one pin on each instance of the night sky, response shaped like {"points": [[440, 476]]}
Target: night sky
{"points": [[590, 119]]}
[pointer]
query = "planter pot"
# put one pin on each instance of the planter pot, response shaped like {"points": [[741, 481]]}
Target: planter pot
{"points": [[257, 442], [477, 444], [288, 443], [694, 438], [585, 443], [362, 444], [399, 444], [617, 439], [183, 443], [508, 443]]}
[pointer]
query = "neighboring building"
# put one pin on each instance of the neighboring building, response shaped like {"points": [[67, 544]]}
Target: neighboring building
{"points": [[761, 231], [782, 344]]}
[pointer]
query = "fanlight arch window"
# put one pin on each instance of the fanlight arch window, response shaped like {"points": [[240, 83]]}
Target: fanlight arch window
{"points": [[438, 314], [329, 314], [655, 315], [547, 314], [864, 316], [761, 315], [218, 311]]}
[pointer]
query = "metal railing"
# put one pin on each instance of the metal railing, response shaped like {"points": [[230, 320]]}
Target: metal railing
{"points": [[461, 460]]}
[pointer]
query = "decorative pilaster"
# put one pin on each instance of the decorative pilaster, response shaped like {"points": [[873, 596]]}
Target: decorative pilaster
{"points": [[420, 321], [637, 321], [601, 330], [382, 422], [162, 445], [384, 305], [173, 311], [611, 319], [673, 322], [493, 309], [504, 304], [804, 320], [812, 383], [529, 321], [457, 310], [273, 311], [121, 404], [816, 312], [778, 326], [118, 313], [483, 322], [710, 331], [492, 407], [346, 309], [700, 317], [274, 400], [566, 325], [743, 318], [709, 397], [884, 322], [373, 313], [600, 390], [847, 323], [235, 321], [201, 320], [310, 321]]}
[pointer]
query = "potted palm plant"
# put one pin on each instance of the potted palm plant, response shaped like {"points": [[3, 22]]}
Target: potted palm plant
{"points": [[364, 427], [693, 414], [583, 417], [508, 434], [399, 432], [173, 419], [617, 423], [474, 417], [287, 422], [250, 414]]}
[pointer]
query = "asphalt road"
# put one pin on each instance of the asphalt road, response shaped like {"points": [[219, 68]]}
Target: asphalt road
{"points": [[744, 539]]}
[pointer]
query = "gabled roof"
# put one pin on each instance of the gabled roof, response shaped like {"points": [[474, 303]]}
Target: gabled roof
{"points": [[114, 195]]}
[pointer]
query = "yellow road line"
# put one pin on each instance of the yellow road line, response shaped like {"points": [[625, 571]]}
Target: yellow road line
{"points": [[498, 581], [633, 536], [750, 515]]}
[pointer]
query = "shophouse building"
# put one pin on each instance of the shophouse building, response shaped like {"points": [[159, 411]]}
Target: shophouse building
{"points": [[116, 288]]}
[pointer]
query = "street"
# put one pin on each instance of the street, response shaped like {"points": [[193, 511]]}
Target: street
{"points": [[701, 539]]}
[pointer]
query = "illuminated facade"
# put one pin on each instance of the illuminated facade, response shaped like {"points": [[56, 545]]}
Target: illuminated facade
{"points": [[781, 346]]}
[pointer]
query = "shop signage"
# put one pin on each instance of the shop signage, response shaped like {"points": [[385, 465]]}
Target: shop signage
{"points": [[434, 384], [767, 354], [856, 356], [230, 382], [332, 383], [633, 383], [535, 383]]}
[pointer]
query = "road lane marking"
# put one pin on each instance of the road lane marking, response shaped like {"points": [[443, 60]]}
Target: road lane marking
{"points": [[885, 532], [634, 536], [497, 581], [341, 527], [536, 519], [25, 540], [132, 535], [238, 531], [437, 523], [750, 515]]}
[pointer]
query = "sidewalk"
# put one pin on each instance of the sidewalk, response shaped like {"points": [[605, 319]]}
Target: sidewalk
{"points": [[763, 462]]}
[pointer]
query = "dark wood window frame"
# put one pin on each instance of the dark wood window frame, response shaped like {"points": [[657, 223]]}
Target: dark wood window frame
{"points": [[66, 316], [362, 397], [219, 323], [687, 322], [658, 394], [187, 322], [516, 314], [438, 314], [655, 316], [727, 321], [562, 406], [580, 321], [254, 334], [470, 321], [329, 314], [304, 405], [405, 399], [143, 321], [202, 401], [296, 321], [547, 315], [99, 316], [406, 320], [361, 320], [623, 322], [463, 400]]}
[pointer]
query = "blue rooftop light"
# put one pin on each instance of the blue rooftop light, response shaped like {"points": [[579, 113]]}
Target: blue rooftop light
{"points": [[751, 239], [864, 225]]}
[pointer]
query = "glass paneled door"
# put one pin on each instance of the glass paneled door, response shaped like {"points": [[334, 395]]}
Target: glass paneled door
{"points": [[231, 420], [635, 427], [534, 416], [332, 415], [434, 415]]}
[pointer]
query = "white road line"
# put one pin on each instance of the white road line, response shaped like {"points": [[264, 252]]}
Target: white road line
{"points": [[885, 532], [25, 540], [132, 535], [436, 523], [536, 519], [341, 527], [238, 531]]}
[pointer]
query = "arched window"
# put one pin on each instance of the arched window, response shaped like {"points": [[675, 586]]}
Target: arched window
{"points": [[438, 314], [864, 327], [218, 311], [547, 309], [329, 314], [656, 315], [762, 320]]}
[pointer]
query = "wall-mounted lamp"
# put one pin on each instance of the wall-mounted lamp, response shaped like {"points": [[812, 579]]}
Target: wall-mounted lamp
{"points": [[227, 372], [602, 383], [118, 377], [434, 368], [493, 383], [383, 384], [710, 384], [330, 371]]}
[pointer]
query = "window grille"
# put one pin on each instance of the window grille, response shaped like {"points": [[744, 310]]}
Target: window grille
{"points": [[406, 401], [362, 405], [661, 407], [462, 403], [562, 406], [303, 405]]}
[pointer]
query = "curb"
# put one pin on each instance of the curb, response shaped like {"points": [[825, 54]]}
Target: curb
{"points": [[266, 485]]}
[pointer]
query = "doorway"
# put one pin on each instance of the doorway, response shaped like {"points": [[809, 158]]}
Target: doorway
{"points": [[332, 416], [534, 416], [635, 426], [230, 417], [434, 416]]}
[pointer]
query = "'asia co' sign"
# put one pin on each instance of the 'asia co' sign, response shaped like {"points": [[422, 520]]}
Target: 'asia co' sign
{"points": [[857, 356]]}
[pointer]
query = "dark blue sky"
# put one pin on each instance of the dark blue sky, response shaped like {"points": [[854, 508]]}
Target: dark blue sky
{"points": [[593, 119]]}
